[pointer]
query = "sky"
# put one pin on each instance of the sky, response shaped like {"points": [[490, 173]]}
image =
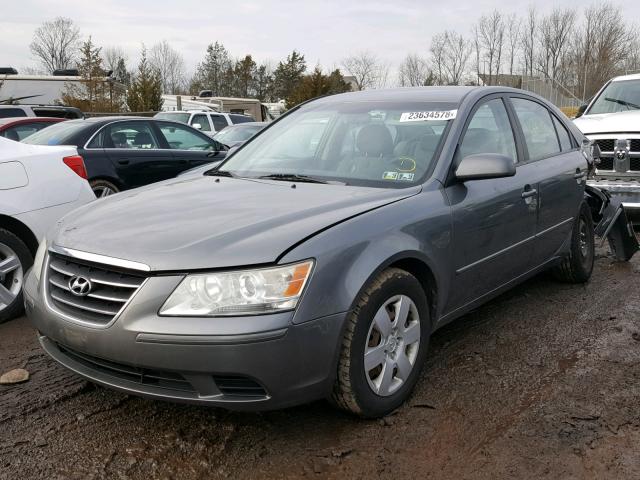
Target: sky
{"points": [[325, 31]]}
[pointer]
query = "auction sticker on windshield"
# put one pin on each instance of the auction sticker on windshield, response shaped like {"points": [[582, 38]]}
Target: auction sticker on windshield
{"points": [[427, 116]]}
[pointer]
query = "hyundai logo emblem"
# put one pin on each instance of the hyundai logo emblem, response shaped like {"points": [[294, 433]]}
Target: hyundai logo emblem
{"points": [[80, 286]]}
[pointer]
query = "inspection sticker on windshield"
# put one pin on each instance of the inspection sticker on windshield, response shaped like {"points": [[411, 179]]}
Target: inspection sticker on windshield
{"points": [[390, 176], [428, 116]]}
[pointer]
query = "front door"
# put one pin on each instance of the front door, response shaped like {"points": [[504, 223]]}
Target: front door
{"points": [[494, 220]]}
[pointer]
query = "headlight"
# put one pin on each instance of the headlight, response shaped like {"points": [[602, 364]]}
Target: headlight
{"points": [[247, 292], [39, 259]]}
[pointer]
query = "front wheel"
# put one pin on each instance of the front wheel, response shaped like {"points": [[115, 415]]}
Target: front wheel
{"points": [[578, 265], [15, 259], [384, 346]]}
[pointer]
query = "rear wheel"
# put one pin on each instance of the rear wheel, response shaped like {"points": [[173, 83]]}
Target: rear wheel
{"points": [[15, 259], [578, 265], [384, 346], [103, 188]]}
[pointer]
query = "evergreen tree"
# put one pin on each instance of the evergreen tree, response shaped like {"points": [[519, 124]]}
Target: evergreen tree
{"points": [[94, 93], [213, 73], [317, 84], [288, 75], [263, 82], [244, 73], [145, 93]]}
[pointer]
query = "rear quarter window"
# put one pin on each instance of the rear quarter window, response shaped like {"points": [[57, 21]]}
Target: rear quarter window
{"points": [[12, 112], [241, 118]]}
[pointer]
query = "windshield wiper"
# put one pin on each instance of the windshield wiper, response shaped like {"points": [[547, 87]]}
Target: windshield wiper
{"points": [[622, 102], [220, 173], [291, 177]]}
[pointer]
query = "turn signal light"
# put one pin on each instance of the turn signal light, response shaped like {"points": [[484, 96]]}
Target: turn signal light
{"points": [[76, 163]]}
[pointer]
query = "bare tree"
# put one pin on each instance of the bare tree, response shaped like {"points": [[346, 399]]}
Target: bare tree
{"points": [[366, 69], [490, 41], [457, 51], [529, 40], [602, 47], [170, 64], [437, 51], [513, 39], [413, 71], [555, 31], [111, 56], [56, 44]]}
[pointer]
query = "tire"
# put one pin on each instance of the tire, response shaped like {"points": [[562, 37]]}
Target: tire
{"points": [[15, 260], [578, 265], [103, 188], [371, 393]]}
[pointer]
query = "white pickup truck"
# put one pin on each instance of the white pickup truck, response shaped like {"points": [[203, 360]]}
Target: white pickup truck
{"points": [[612, 121]]}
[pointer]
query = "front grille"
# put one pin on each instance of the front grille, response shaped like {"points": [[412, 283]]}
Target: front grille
{"points": [[143, 376], [606, 145], [606, 163], [110, 290]]}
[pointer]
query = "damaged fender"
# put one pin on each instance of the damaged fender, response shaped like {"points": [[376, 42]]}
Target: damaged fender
{"points": [[612, 223]]}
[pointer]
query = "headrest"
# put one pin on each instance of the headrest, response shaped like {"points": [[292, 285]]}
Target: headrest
{"points": [[374, 140]]}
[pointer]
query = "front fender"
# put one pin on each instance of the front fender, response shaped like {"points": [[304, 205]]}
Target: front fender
{"points": [[351, 254]]}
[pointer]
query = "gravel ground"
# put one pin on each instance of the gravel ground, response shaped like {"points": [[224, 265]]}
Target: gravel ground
{"points": [[543, 382]]}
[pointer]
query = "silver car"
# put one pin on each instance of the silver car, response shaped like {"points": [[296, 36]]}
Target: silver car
{"points": [[318, 259]]}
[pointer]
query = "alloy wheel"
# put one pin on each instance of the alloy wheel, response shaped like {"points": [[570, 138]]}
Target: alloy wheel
{"points": [[392, 345], [11, 276], [103, 191]]}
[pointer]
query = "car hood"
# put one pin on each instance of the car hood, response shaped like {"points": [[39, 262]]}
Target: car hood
{"points": [[211, 222], [618, 122]]}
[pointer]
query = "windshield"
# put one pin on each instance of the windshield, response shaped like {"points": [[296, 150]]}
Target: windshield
{"points": [[178, 117], [379, 144], [56, 134], [232, 135], [618, 97]]}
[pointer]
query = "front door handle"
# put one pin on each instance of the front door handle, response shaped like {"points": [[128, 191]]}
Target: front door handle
{"points": [[528, 193], [123, 162], [579, 175]]}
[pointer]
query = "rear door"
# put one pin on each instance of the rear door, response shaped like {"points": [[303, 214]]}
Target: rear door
{"points": [[139, 155], [494, 220], [559, 169], [219, 121], [189, 147]]}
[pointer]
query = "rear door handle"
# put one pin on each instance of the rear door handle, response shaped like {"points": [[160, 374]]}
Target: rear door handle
{"points": [[123, 162]]}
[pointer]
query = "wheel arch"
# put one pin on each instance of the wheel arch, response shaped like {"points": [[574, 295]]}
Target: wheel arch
{"points": [[21, 231]]}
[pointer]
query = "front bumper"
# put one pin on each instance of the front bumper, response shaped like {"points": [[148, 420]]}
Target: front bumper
{"points": [[241, 363], [628, 192]]}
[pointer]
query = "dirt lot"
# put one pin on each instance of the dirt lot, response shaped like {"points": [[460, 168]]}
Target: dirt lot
{"points": [[543, 382]]}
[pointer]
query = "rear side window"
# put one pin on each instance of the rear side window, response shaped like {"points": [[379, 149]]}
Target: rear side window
{"points": [[219, 122], [563, 135], [20, 132], [489, 131], [537, 127], [12, 112], [241, 118]]}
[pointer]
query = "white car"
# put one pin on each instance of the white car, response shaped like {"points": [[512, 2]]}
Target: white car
{"points": [[38, 185], [612, 121], [208, 122]]}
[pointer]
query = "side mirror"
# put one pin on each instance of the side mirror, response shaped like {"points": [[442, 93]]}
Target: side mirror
{"points": [[197, 126], [485, 165], [581, 110], [596, 154]]}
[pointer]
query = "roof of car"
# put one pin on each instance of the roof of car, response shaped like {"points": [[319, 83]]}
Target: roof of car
{"points": [[20, 120], [633, 76]]}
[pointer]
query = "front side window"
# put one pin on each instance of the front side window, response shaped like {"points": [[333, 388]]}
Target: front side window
{"points": [[489, 131], [537, 127], [379, 144], [183, 138], [134, 135], [202, 121], [620, 96]]}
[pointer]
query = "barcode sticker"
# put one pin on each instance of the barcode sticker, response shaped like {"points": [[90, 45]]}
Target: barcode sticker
{"points": [[428, 116]]}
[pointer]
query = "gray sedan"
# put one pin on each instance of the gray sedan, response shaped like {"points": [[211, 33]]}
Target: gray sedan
{"points": [[318, 259]]}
